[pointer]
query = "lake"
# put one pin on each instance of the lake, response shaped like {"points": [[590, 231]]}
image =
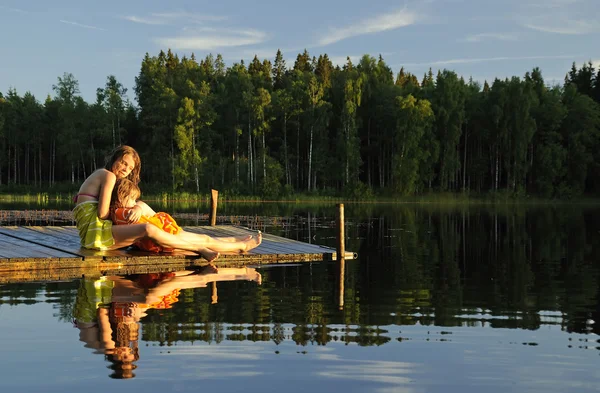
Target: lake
{"points": [[441, 299]]}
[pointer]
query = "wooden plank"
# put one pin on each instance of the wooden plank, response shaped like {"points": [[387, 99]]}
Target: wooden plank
{"points": [[47, 241], [67, 240], [11, 247]]}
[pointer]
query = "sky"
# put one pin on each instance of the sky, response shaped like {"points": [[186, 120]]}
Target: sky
{"points": [[483, 39]]}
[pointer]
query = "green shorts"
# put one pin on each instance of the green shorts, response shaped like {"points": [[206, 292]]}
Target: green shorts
{"points": [[95, 233]]}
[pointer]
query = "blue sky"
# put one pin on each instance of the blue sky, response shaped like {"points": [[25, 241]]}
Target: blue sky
{"points": [[482, 39]]}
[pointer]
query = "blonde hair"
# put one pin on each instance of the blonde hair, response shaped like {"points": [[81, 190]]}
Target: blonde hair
{"points": [[124, 189], [118, 153]]}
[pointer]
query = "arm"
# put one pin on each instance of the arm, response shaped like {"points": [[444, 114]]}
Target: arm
{"points": [[135, 213], [106, 188], [140, 209]]}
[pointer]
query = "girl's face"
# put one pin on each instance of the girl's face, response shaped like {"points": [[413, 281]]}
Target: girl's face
{"points": [[123, 167], [130, 202]]}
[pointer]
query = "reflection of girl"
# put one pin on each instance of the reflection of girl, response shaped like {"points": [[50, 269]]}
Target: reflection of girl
{"points": [[108, 310]]}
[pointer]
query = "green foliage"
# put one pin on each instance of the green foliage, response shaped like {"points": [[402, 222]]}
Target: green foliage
{"points": [[315, 129], [271, 187], [358, 191], [414, 118]]}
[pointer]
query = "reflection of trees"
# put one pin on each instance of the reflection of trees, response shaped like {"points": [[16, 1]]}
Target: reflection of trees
{"points": [[60, 294]]}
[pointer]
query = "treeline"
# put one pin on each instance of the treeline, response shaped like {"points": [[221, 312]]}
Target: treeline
{"points": [[357, 130]]}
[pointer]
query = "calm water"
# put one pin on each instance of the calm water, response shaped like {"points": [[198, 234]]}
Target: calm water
{"points": [[440, 299]]}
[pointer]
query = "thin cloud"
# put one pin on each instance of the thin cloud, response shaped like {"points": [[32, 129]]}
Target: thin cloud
{"points": [[198, 30], [384, 22], [144, 21], [170, 18], [488, 59], [563, 26], [491, 36], [558, 16], [20, 11], [213, 41], [80, 25]]}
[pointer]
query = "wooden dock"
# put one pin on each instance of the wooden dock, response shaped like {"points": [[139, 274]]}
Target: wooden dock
{"points": [[49, 253]]}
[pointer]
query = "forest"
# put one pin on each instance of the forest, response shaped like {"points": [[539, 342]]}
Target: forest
{"points": [[272, 130]]}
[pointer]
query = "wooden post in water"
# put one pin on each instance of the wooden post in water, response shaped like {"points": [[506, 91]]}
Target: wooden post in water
{"points": [[341, 253], [342, 266], [214, 296], [341, 246], [214, 196]]}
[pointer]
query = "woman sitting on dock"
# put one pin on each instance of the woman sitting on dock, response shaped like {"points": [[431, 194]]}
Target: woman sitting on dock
{"points": [[97, 231]]}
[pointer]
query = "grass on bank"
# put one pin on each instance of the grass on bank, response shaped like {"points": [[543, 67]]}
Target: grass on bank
{"points": [[65, 192]]}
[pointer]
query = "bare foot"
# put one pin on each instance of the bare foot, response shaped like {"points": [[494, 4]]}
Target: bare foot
{"points": [[254, 241], [208, 254]]}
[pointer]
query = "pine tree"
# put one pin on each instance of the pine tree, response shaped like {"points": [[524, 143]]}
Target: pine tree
{"points": [[303, 62], [278, 71]]}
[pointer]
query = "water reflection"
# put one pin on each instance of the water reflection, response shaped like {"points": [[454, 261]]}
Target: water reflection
{"points": [[458, 298], [109, 310]]}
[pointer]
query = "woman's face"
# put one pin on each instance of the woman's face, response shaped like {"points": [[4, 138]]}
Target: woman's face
{"points": [[123, 167]]}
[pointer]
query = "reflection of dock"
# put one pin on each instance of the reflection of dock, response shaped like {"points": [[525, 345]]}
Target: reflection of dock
{"points": [[35, 253]]}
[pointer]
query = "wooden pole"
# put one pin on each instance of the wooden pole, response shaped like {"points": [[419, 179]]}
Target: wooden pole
{"points": [[341, 247], [342, 266], [214, 296], [214, 196]]}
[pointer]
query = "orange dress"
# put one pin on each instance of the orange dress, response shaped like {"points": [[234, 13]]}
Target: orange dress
{"points": [[162, 220]]}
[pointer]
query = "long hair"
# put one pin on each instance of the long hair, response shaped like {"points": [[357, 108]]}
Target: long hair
{"points": [[118, 153], [124, 188]]}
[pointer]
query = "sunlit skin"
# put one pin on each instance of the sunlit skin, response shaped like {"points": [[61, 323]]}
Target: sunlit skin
{"points": [[102, 183], [123, 167]]}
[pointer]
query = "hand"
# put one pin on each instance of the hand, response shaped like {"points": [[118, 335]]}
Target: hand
{"points": [[134, 215]]}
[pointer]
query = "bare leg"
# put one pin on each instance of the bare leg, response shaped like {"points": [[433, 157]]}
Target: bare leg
{"points": [[232, 244], [126, 235], [192, 236], [234, 239]]}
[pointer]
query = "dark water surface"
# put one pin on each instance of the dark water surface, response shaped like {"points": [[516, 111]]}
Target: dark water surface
{"points": [[441, 299]]}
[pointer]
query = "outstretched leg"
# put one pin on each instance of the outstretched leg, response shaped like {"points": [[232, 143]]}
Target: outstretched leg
{"points": [[226, 244], [126, 235], [207, 246]]}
